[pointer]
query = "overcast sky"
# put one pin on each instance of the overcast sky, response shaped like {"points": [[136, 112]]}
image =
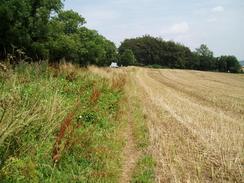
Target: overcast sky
{"points": [[217, 23]]}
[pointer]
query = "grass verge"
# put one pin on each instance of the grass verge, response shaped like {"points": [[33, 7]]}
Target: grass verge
{"points": [[144, 170], [58, 124]]}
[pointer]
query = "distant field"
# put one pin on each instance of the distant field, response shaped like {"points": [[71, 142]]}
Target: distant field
{"points": [[196, 123]]}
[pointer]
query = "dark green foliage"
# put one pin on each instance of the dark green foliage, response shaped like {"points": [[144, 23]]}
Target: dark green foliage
{"points": [[228, 64], [152, 51], [24, 26], [89, 117], [127, 58], [156, 66], [43, 30], [205, 58], [70, 21], [204, 51], [149, 51]]}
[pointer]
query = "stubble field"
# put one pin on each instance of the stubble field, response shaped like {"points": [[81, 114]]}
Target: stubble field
{"points": [[121, 125], [195, 121]]}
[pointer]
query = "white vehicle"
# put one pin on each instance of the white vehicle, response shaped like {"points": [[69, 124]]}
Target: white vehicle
{"points": [[114, 65]]}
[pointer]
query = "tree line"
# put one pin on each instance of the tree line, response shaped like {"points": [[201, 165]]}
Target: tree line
{"points": [[37, 30], [148, 50]]}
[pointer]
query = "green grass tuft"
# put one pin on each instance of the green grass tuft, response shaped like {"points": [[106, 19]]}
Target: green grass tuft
{"points": [[144, 172], [41, 142]]}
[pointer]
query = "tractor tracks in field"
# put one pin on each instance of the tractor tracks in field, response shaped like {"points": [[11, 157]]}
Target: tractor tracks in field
{"points": [[191, 138], [130, 154], [188, 139]]}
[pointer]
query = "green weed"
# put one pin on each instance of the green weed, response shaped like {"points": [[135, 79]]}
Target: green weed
{"points": [[144, 172]]}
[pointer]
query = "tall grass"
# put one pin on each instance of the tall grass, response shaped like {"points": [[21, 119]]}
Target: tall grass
{"points": [[58, 124]]}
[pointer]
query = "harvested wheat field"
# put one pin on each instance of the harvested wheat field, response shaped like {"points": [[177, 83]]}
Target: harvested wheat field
{"points": [[195, 121], [123, 125]]}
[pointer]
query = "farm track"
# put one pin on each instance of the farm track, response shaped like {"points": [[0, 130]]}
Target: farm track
{"points": [[130, 154], [195, 123]]}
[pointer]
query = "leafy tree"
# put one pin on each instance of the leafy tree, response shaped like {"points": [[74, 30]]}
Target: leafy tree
{"points": [[24, 26], [228, 64], [44, 31], [70, 20], [127, 58], [149, 51], [98, 50], [222, 64], [64, 40], [206, 58], [70, 40], [204, 51]]}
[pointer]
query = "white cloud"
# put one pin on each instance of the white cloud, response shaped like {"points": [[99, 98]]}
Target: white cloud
{"points": [[97, 17], [218, 9], [178, 28]]}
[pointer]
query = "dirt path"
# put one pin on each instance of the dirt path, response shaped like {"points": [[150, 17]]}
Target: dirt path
{"points": [[130, 154]]}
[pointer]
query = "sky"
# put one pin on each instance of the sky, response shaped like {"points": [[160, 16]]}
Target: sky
{"points": [[217, 23]]}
